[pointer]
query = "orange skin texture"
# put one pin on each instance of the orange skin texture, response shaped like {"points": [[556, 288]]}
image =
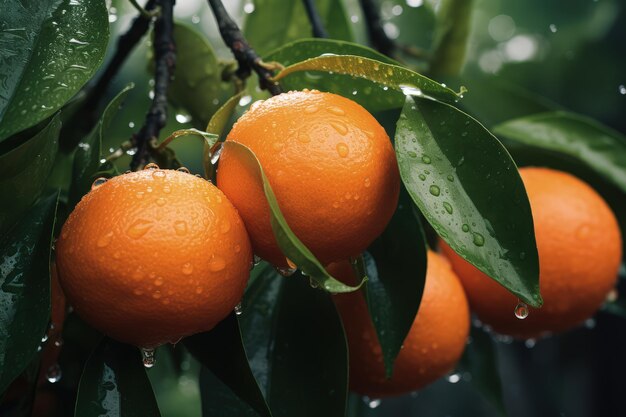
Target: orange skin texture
{"points": [[152, 256], [580, 250], [329, 162], [432, 347]]}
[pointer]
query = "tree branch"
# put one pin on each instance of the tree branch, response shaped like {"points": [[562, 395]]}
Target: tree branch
{"points": [[165, 62], [375, 30], [319, 31], [246, 57]]}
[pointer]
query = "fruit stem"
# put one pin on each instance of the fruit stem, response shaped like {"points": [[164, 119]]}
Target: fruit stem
{"points": [[319, 31], [165, 62], [246, 57]]}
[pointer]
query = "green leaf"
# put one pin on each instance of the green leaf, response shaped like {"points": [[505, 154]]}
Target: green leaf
{"points": [[396, 272], [480, 360], [294, 23], [25, 288], [114, 383], [89, 151], [48, 51], [310, 358], [599, 147], [468, 188], [198, 76], [288, 242], [221, 350], [453, 31], [222, 116], [220, 401], [378, 85], [24, 171]]}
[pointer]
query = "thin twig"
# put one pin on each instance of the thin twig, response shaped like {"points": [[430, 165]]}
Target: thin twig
{"points": [[319, 31], [379, 39], [165, 61], [246, 57]]}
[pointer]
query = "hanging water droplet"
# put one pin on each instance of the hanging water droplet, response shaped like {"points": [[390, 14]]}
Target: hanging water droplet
{"points": [[521, 310], [151, 165], [147, 356], [54, 373], [285, 271], [454, 378], [238, 309], [183, 170], [313, 283], [291, 264], [44, 339], [98, 182], [372, 402], [256, 260]]}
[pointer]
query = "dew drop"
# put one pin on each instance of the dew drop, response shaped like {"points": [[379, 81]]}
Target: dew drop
{"points": [[434, 190], [454, 378], [451, 178], [158, 174], [184, 170], [286, 271], [426, 159], [151, 165], [422, 177], [224, 226], [158, 282], [340, 127], [478, 239], [311, 109], [180, 227], [336, 111], [167, 189], [139, 228], [217, 264], [187, 269], [147, 356], [465, 228], [105, 240], [373, 402], [291, 264], [448, 207], [313, 283], [54, 373], [521, 311], [367, 182], [412, 154], [238, 309], [98, 182], [342, 149]]}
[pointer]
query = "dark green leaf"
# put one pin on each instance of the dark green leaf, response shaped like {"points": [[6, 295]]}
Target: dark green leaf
{"points": [[374, 84], [48, 50], [288, 242], [468, 188], [88, 154], [221, 351], [599, 147], [453, 30], [480, 360], [24, 171], [197, 85], [396, 277], [310, 358], [114, 384], [220, 401], [25, 288]]}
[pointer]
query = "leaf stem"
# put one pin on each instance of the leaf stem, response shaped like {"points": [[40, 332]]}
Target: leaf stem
{"points": [[165, 62], [246, 57], [319, 31]]}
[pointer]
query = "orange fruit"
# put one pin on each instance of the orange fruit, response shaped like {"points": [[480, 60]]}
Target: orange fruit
{"points": [[331, 165], [152, 256], [580, 250], [432, 347]]}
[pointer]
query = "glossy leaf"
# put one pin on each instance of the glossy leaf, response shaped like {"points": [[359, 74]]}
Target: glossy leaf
{"points": [[221, 350], [481, 362], [222, 116], [396, 271], [288, 242], [89, 151], [25, 288], [294, 23], [468, 188], [378, 86], [114, 383], [24, 171], [310, 358], [48, 51], [197, 85], [582, 138]]}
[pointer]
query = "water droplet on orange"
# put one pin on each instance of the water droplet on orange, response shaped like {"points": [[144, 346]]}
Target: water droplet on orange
{"points": [[139, 228], [367, 182], [224, 226], [166, 189], [183, 170], [311, 109], [336, 110], [342, 149], [187, 268], [158, 174], [105, 240], [217, 264], [98, 182], [340, 127]]}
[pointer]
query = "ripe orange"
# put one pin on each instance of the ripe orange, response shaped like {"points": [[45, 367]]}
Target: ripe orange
{"points": [[331, 165], [432, 347], [580, 249], [152, 256]]}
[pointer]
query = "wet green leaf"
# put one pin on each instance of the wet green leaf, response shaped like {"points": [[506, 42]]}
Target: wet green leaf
{"points": [[114, 384], [48, 51], [89, 152], [378, 86], [24, 171], [197, 85], [599, 147], [396, 271], [468, 188], [218, 400], [221, 350], [288, 242], [310, 357], [25, 288]]}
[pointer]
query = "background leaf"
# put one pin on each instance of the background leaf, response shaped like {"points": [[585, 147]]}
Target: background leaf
{"points": [[468, 188], [24, 171], [396, 271], [451, 37], [25, 288], [48, 51], [584, 139], [114, 383]]}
